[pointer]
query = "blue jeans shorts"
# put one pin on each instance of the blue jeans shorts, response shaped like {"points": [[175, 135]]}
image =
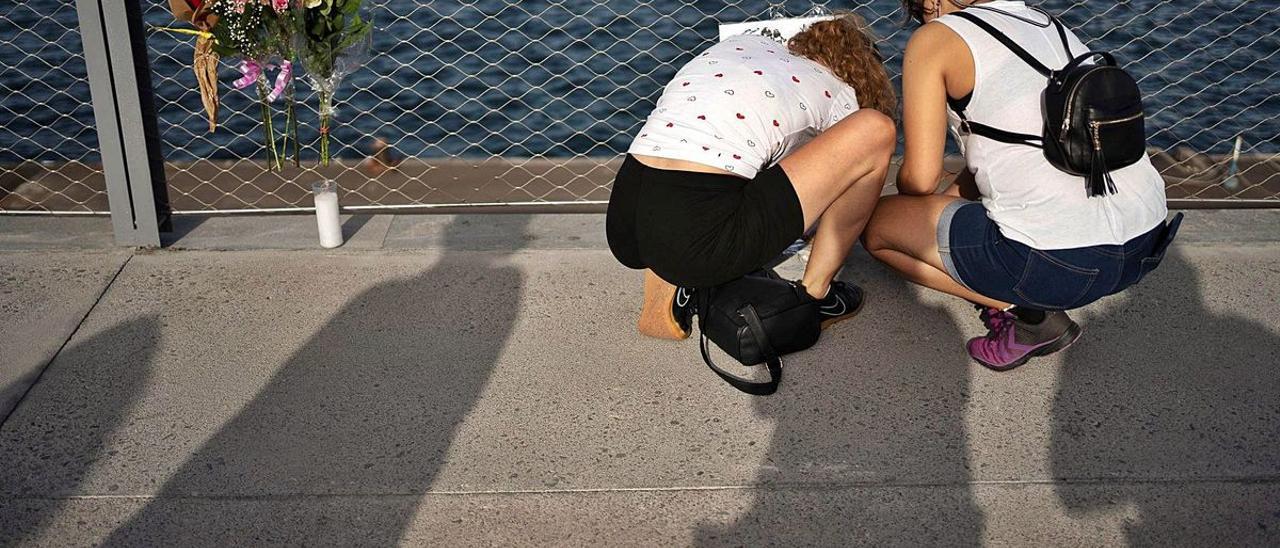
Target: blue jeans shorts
{"points": [[978, 256]]}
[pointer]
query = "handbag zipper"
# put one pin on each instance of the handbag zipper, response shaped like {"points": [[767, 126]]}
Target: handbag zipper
{"points": [[1066, 120], [1096, 127]]}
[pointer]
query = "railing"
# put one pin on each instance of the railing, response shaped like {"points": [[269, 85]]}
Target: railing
{"points": [[487, 102], [49, 159]]}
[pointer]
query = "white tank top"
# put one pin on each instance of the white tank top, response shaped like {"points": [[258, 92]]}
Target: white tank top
{"points": [[1030, 200], [743, 105]]}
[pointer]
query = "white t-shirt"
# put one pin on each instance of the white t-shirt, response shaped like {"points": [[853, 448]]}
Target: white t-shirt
{"points": [[1030, 200], [743, 105]]}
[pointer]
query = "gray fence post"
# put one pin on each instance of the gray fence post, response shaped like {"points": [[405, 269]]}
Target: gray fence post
{"points": [[123, 106]]}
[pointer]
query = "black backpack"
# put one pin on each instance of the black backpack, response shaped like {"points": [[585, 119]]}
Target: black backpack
{"points": [[1093, 121], [756, 319]]}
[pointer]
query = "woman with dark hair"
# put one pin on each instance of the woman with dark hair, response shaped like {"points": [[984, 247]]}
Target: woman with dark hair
{"points": [[752, 143], [1036, 243]]}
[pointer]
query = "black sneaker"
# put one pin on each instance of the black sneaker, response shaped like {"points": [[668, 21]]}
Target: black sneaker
{"points": [[683, 309], [843, 301], [668, 310]]}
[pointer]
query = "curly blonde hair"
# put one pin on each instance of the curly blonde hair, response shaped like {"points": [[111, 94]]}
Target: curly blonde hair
{"points": [[847, 46]]}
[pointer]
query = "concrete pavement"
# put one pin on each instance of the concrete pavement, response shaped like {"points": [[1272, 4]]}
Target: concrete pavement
{"points": [[476, 380]]}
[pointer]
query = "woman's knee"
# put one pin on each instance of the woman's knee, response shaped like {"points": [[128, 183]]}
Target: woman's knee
{"points": [[875, 235], [881, 129]]}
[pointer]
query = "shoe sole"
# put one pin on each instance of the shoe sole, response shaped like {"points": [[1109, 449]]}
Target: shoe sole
{"points": [[828, 323], [656, 319], [1061, 343]]}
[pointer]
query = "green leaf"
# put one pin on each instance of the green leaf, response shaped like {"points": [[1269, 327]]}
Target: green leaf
{"points": [[352, 38], [224, 51]]}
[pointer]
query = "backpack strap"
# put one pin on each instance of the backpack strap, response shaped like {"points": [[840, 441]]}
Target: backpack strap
{"points": [[1009, 43], [993, 133], [997, 134], [773, 364], [1062, 33]]}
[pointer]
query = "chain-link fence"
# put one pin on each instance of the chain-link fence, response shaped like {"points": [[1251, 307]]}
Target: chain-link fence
{"points": [[48, 143], [499, 102]]}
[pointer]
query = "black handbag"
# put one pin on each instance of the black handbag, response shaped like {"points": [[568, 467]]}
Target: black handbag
{"points": [[1093, 119], [756, 319]]}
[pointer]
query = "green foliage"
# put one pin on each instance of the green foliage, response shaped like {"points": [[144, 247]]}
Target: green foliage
{"points": [[327, 30]]}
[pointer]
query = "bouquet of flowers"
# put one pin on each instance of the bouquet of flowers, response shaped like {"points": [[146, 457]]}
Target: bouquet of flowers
{"points": [[333, 40], [329, 36]]}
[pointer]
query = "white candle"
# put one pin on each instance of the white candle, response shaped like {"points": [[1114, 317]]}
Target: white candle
{"points": [[326, 194]]}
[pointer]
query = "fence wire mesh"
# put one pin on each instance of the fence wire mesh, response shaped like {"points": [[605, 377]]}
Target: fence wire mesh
{"points": [[500, 102], [49, 158]]}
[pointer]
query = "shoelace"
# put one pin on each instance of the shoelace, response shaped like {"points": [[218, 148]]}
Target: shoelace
{"points": [[997, 321]]}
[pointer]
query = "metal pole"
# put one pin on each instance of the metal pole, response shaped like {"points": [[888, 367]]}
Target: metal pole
{"points": [[123, 107]]}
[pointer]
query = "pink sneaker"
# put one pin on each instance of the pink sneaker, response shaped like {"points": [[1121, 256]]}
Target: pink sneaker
{"points": [[1011, 342]]}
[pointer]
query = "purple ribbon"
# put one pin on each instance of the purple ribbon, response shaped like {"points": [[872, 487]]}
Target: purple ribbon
{"points": [[282, 80], [251, 70]]}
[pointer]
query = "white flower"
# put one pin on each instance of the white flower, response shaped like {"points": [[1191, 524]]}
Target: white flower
{"points": [[313, 3]]}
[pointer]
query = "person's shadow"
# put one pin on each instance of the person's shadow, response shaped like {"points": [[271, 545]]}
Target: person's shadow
{"points": [[341, 444], [52, 443], [869, 443], [1170, 410]]}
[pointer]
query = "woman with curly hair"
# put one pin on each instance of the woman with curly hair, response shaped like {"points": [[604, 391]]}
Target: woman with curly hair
{"points": [[752, 143]]}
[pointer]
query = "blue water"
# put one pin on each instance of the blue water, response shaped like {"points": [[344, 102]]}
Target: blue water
{"points": [[555, 78]]}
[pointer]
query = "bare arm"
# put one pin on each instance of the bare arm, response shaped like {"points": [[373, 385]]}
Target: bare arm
{"points": [[936, 61]]}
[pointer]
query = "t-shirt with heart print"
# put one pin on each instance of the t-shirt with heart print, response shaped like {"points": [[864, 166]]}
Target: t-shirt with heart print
{"points": [[743, 105]]}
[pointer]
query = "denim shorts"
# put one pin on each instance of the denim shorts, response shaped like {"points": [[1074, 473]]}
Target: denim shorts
{"points": [[978, 256]]}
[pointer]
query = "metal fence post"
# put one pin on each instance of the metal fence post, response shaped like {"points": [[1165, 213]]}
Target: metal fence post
{"points": [[123, 106]]}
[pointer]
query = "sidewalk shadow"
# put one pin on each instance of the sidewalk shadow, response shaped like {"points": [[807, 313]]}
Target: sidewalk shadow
{"points": [[1165, 397], [340, 445], [869, 444], [79, 405]]}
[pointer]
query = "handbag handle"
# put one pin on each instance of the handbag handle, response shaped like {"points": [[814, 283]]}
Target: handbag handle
{"points": [[773, 364], [1056, 79]]}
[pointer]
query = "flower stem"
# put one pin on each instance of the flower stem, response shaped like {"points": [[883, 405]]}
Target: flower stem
{"points": [[267, 127], [324, 140], [326, 112], [293, 127]]}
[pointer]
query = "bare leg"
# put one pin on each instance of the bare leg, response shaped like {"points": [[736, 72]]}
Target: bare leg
{"points": [[838, 177], [840, 229], [903, 234]]}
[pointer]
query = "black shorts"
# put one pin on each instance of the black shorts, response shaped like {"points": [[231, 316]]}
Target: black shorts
{"points": [[700, 229]]}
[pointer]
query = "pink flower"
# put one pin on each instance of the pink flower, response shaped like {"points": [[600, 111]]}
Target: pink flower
{"points": [[280, 5]]}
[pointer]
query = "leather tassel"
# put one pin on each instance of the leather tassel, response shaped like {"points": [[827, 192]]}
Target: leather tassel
{"points": [[1099, 180]]}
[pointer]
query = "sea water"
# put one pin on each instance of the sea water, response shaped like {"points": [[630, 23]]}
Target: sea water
{"points": [[558, 79]]}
